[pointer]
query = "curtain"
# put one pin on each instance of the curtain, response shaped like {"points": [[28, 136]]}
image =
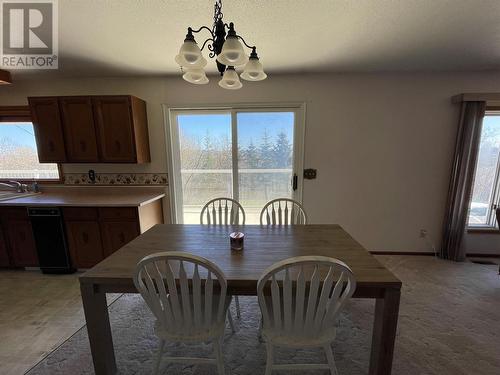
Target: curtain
{"points": [[462, 176]]}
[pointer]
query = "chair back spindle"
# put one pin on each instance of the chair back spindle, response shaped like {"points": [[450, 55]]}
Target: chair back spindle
{"points": [[303, 296], [222, 211], [180, 289], [283, 211]]}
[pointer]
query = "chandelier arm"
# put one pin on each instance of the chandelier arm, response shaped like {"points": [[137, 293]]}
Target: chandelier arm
{"points": [[203, 28], [205, 42], [245, 43]]}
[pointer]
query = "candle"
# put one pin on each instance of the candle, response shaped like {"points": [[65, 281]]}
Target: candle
{"points": [[236, 240]]}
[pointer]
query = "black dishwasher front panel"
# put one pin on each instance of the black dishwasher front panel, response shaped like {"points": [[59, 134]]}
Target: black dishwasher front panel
{"points": [[50, 240]]}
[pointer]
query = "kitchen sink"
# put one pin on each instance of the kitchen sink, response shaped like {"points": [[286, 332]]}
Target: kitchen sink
{"points": [[6, 195]]}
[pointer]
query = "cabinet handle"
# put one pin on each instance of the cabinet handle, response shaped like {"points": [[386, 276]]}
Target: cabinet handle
{"points": [[85, 238]]}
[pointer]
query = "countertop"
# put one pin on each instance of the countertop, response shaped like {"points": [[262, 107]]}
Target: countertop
{"points": [[90, 197]]}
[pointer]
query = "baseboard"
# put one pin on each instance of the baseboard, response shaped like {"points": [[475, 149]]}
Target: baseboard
{"points": [[402, 253], [482, 255]]}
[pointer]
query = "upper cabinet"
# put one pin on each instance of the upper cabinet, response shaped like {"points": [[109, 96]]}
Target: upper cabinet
{"points": [[122, 132], [48, 129], [106, 129], [78, 127]]}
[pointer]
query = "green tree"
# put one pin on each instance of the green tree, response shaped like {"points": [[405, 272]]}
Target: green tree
{"points": [[250, 156], [266, 157], [282, 151]]}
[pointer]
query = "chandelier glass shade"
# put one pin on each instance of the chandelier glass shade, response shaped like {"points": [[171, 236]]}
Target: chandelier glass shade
{"points": [[190, 56], [230, 79], [254, 70], [196, 76], [228, 49], [232, 53]]}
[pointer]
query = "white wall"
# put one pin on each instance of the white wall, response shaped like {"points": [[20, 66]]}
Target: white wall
{"points": [[382, 143]]}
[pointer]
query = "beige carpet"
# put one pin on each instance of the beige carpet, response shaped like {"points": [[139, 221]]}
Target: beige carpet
{"points": [[449, 324]]}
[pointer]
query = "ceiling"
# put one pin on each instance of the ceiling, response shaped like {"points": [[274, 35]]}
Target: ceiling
{"points": [[141, 37]]}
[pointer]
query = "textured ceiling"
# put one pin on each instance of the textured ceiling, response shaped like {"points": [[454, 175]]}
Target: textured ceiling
{"points": [[141, 37]]}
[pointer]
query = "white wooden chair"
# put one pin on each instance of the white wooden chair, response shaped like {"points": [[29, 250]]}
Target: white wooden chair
{"points": [[300, 299], [187, 295], [224, 211], [283, 211]]}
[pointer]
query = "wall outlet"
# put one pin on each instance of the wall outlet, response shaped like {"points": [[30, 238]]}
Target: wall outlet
{"points": [[92, 176], [310, 173], [423, 233]]}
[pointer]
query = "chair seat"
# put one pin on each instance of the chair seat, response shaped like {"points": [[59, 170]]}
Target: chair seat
{"points": [[189, 332], [295, 338]]}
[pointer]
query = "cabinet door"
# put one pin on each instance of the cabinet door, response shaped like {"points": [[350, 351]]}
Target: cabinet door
{"points": [[4, 255], [48, 129], [117, 234], [115, 130], [79, 131], [84, 238], [22, 243]]}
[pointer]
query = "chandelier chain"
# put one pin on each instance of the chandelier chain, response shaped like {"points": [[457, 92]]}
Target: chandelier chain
{"points": [[218, 15]]}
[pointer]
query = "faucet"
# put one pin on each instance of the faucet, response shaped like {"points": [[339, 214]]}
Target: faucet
{"points": [[20, 188]]}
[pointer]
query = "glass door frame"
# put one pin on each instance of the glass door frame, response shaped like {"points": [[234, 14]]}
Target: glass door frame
{"points": [[173, 147]]}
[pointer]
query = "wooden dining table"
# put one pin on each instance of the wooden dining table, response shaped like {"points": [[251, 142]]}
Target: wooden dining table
{"points": [[263, 246]]}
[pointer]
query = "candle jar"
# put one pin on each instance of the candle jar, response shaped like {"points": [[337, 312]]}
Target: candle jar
{"points": [[236, 240]]}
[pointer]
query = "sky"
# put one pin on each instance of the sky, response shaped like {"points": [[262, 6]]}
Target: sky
{"points": [[20, 133], [251, 126]]}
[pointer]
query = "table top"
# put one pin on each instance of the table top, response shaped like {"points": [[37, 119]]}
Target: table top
{"points": [[264, 245]]}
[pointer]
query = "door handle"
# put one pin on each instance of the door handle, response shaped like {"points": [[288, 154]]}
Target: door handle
{"points": [[295, 181]]}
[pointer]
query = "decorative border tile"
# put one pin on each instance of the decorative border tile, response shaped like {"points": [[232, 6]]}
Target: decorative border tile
{"points": [[117, 179]]}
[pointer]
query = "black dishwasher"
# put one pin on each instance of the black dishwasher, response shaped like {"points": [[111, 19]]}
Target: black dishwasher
{"points": [[50, 240]]}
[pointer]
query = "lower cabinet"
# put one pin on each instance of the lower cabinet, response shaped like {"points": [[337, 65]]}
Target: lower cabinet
{"points": [[117, 234], [17, 244], [95, 233], [4, 254], [85, 243], [22, 243], [92, 233]]}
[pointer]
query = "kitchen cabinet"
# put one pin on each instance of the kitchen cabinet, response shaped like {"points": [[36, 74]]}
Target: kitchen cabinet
{"points": [[85, 243], [78, 128], [97, 129], [95, 233], [22, 243], [122, 132], [4, 255], [48, 129], [18, 239], [117, 234]]}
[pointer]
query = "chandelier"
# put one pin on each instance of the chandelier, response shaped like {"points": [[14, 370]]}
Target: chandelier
{"points": [[229, 51]]}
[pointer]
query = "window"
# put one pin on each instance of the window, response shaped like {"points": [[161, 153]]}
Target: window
{"points": [[486, 187], [248, 154], [18, 153]]}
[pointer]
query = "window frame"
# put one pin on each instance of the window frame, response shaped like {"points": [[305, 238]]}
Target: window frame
{"points": [[491, 224], [22, 113], [171, 135]]}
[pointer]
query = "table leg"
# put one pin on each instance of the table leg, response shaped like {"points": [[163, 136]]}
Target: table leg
{"points": [[384, 332], [99, 330]]}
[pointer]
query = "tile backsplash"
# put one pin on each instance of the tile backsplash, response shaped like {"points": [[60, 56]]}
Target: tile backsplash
{"points": [[117, 179]]}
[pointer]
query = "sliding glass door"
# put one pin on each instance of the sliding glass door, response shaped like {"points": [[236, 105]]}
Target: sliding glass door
{"points": [[249, 154]]}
